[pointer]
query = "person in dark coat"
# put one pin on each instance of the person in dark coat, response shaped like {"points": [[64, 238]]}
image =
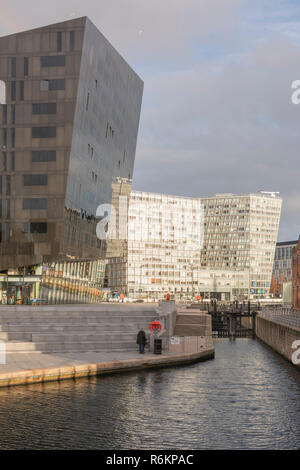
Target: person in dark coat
{"points": [[141, 340]]}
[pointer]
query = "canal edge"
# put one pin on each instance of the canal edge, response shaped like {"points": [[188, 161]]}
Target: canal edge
{"points": [[52, 374]]}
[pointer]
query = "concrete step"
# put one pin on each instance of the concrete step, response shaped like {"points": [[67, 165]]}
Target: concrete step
{"points": [[20, 346], [86, 346], [190, 319], [25, 347], [52, 328], [191, 330], [90, 338], [68, 329], [73, 321], [67, 311]]}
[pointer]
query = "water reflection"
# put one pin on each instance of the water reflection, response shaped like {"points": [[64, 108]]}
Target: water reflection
{"points": [[248, 397]]}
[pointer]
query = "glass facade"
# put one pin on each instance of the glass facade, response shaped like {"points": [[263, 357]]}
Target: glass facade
{"points": [[282, 270], [221, 246], [55, 283], [54, 186]]}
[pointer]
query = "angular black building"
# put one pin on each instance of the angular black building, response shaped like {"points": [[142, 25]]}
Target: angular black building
{"points": [[69, 116]]}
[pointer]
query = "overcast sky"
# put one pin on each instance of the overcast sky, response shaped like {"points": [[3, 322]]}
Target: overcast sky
{"points": [[217, 114]]}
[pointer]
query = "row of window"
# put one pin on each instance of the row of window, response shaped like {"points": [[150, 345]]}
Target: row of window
{"points": [[7, 206], [36, 132], [60, 41], [43, 132], [28, 227], [13, 90], [12, 114], [44, 108], [46, 61], [53, 61], [45, 85], [7, 232], [35, 180], [37, 108], [35, 204], [8, 185], [4, 138], [284, 252], [14, 67], [37, 156], [54, 84], [28, 180]]}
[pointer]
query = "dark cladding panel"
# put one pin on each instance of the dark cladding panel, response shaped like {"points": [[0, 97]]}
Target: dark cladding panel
{"points": [[87, 101]]}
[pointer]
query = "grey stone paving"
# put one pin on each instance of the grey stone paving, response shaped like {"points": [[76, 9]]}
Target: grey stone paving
{"points": [[20, 361]]}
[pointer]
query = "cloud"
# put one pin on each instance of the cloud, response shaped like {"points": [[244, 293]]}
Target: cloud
{"points": [[217, 114], [168, 26], [9, 22], [225, 129]]}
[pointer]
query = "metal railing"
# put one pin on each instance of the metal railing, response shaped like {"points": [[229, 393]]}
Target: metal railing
{"points": [[283, 315]]}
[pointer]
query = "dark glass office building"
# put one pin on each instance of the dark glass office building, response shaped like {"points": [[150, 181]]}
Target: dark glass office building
{"points": [[69, 116]]}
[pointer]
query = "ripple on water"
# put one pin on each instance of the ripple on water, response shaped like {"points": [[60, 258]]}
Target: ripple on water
{"points": [[246, 398]]}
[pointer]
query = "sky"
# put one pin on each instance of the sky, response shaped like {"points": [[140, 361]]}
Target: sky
{"points": [[217, 115]]}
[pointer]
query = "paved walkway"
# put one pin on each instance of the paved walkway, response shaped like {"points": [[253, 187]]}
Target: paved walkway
{"points": [[20, 361], [37, 367]]}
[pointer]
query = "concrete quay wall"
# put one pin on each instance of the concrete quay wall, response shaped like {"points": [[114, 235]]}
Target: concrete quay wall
{"points": [[278, 336], [50, 374]]}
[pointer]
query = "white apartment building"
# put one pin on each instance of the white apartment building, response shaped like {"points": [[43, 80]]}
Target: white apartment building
{"points": [[221, 246]]}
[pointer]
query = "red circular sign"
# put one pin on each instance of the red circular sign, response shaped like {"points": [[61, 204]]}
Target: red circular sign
{"points": [[155, 325]]}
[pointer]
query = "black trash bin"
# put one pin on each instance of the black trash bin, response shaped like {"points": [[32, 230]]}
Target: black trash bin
{"points": [[157, 346]]}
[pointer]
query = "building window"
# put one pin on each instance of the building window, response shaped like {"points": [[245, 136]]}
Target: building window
{"points": [[13, 91], [4, 114], [8, 208], [35, 227], [72, 40], [59, 42], [44, 108], [43, 156], [35, 204], [2, 92], [7, 235], [26, 67], [12, 161], [3, 164], [4, 137], [94, 177], [53, 61], [0, 208], [13, 113], [13, 137], [8, 185], [35, 180], [0, 184], [53, 85], [43, 132], [13, 67], [22, 90]]}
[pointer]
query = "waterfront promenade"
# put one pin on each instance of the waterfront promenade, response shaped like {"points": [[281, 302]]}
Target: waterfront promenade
{"points": [[64, 342], [22, 368]]}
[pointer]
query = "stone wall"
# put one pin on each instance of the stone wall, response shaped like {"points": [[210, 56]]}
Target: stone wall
{"points": [[278, 336]]}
